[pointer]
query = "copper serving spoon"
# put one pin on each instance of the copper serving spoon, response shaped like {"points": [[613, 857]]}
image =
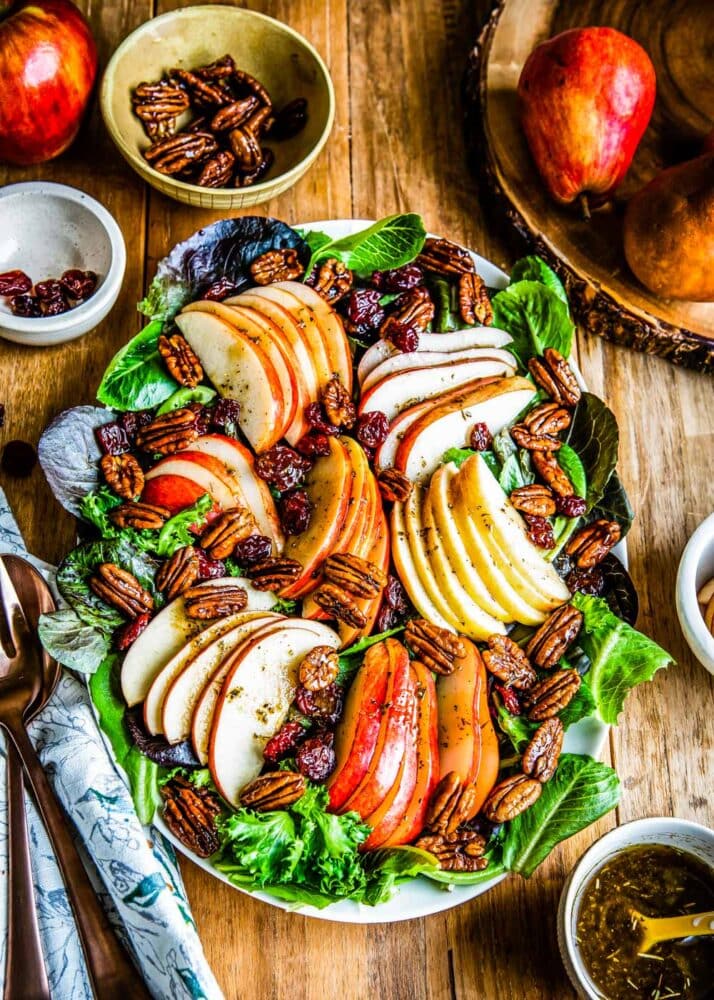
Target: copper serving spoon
{"points": [[110, 970]]}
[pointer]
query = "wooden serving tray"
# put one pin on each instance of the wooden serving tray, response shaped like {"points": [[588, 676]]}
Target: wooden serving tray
{"points": [[607, 299]]}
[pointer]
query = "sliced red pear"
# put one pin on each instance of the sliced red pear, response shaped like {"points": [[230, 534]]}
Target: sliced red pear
{"points": [[173, 492], [241, 370], [377, 551], [200, 469], [435, 359], [253, 703], [456, 695]]}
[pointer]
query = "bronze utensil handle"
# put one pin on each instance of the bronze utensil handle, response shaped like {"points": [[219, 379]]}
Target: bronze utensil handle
{"points": [[111, 972]]}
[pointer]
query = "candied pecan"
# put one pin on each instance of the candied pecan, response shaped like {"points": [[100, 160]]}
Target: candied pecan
{"points": [[234, 114], [540, 531], [316, 757], [552, 694], [158, 105], [288, 738], [290, 120], [220, 537], [547, 418], [394, 485], [127, 634], [413, 310], [536, 500], [168, 433], [435, 647], [339, 408], [123, 474], [548, 468], [208, 600], [333, 280], [355, 575], [339, 605], [218, 171], [481, 437], [273, 573], [460, 852], [534, 442], [276, 265], [274, 790], [253, 86], [121, 590], [451, 804], [203, 91], [253, 176], [444, 257], [555, 636], [179, 572], [553, 373], [260, 121], [319, 668], [139, 515], [190, 813], [177, 152], [540, 757], [592, 542], [474, 303], [218, 70], [505, 659], [246, 148], [511, 797]]}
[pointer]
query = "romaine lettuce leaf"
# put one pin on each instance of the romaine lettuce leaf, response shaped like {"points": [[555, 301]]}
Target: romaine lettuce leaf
{"points": [[136, 377], [535, 269], [535, 317], [386, 244]]}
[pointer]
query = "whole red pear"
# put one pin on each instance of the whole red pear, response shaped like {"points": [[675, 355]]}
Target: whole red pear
{"points": [[48, 62], [585, 99]]}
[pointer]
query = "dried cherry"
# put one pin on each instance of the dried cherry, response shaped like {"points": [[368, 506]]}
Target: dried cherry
{"points": [[395, 596], [324, 705], [127, 634], [315, 444], [112, 438], [14, 283], [288, 738], [55, 306], [372, 428], [209, 569], [48, 290], [316, 759], [570, 506], [481, 437], [253, 549], [404, 336], [317, 419], [295, 512], [220, 290], [133, 420], [282, 467], [510, 698], [540, 531], [386, 618], [587, 581], [363, 309], [25, 305], [225, 416], [79, 284], [202, 422], [18, 458], [399, 279]]}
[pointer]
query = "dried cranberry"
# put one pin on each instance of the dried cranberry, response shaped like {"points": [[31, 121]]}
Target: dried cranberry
{"points": [[404, 337], [316, 757], [18, 458], [399, 279], [125, 636], [209, 569], [289, 120], [509, 698], [14, 283], [314, 445], [253, 549], [203, 417], [282, 467], [540, 531], [288, 738], [481, 437], [55, 306], [25, 305], [570, 506], [79, 284], [395, 596], [363, 310], [324, 705], [317, 419], [225, 416], [112, 438], [372, 428], [133, 420], [587, 581], [48, 290], [295, 512], [220, 290], [386, 618]]}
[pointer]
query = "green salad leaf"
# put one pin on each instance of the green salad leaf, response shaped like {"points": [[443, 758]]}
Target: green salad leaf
{"points": [[519, 729], [534, 268], [202, 394], [386, 244], [446, 314], [535, 317], [614, 504], [620, 656], [176, 532], [595, 437], [459, 455], [570, 463], [388, 867], [71, 641], [136, 378], [581, 791]]}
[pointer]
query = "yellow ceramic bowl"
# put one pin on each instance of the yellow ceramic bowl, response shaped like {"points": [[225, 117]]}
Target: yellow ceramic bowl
{"points": [[287, 65]]}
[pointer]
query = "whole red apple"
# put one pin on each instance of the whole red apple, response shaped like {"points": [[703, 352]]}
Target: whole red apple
{"points": [[585, 99], [48, 62]]}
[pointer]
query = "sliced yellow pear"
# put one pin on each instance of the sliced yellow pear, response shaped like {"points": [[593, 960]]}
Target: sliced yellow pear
{"points": [[408, 574]]}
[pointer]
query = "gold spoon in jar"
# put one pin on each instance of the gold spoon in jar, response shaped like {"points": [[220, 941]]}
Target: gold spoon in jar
{"points": [[653, 930]]}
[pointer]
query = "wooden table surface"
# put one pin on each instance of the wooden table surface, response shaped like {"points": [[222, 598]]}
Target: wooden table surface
{"points": [[397, 145]]}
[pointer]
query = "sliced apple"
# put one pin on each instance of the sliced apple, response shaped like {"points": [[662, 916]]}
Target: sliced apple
{"points": [[173, 492], [486, 763], [205, 472], [378, 553], [408, 573], [402, 362], [241, 370], [456, 697]]}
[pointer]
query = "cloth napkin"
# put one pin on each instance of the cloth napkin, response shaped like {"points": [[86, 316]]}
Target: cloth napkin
{"points": [[133, 867]]}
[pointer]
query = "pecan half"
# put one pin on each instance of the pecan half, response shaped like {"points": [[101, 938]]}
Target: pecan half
{"points": [[220, 537], [451, 804], [234, 114], [190, 813], [591, 544], [208, 600], [333, 280], [357, 576], [505, 659], [168, 433], [540, 758], [274, 790], [253, 176], [124, 474], [553, 373], [460, 852], [474, 303], [276, 265], [552, 694], [414, 309], [534, 500], [177, 152], [139, 515], [555, 636], [534, 442], [158, 105], [218, 70], [121, 590], [339, 605], [435, 647], [339, 407], [181, 360], [261, 120], [205, 92], [179, 572], [218, 171], [445, 257], [548, 468], [273, 573], [547, 418], [253, 86], [246, 148], [319, 669], [394, 485], [511, 797]]}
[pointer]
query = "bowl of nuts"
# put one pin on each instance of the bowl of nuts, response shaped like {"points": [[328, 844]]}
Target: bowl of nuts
{"points": [[218, 107], [695, 593], [62, 261]]}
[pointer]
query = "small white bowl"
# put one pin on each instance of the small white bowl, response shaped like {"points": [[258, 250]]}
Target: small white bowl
{"points": [[695, 568], [46, 229], [691, 837]]}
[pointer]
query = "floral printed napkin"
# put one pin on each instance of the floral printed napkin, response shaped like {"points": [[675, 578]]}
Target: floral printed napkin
{"points": [[134, 867]]}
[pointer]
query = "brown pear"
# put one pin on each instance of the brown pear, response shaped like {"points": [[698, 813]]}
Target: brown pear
{"points": [[669, 232]]}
